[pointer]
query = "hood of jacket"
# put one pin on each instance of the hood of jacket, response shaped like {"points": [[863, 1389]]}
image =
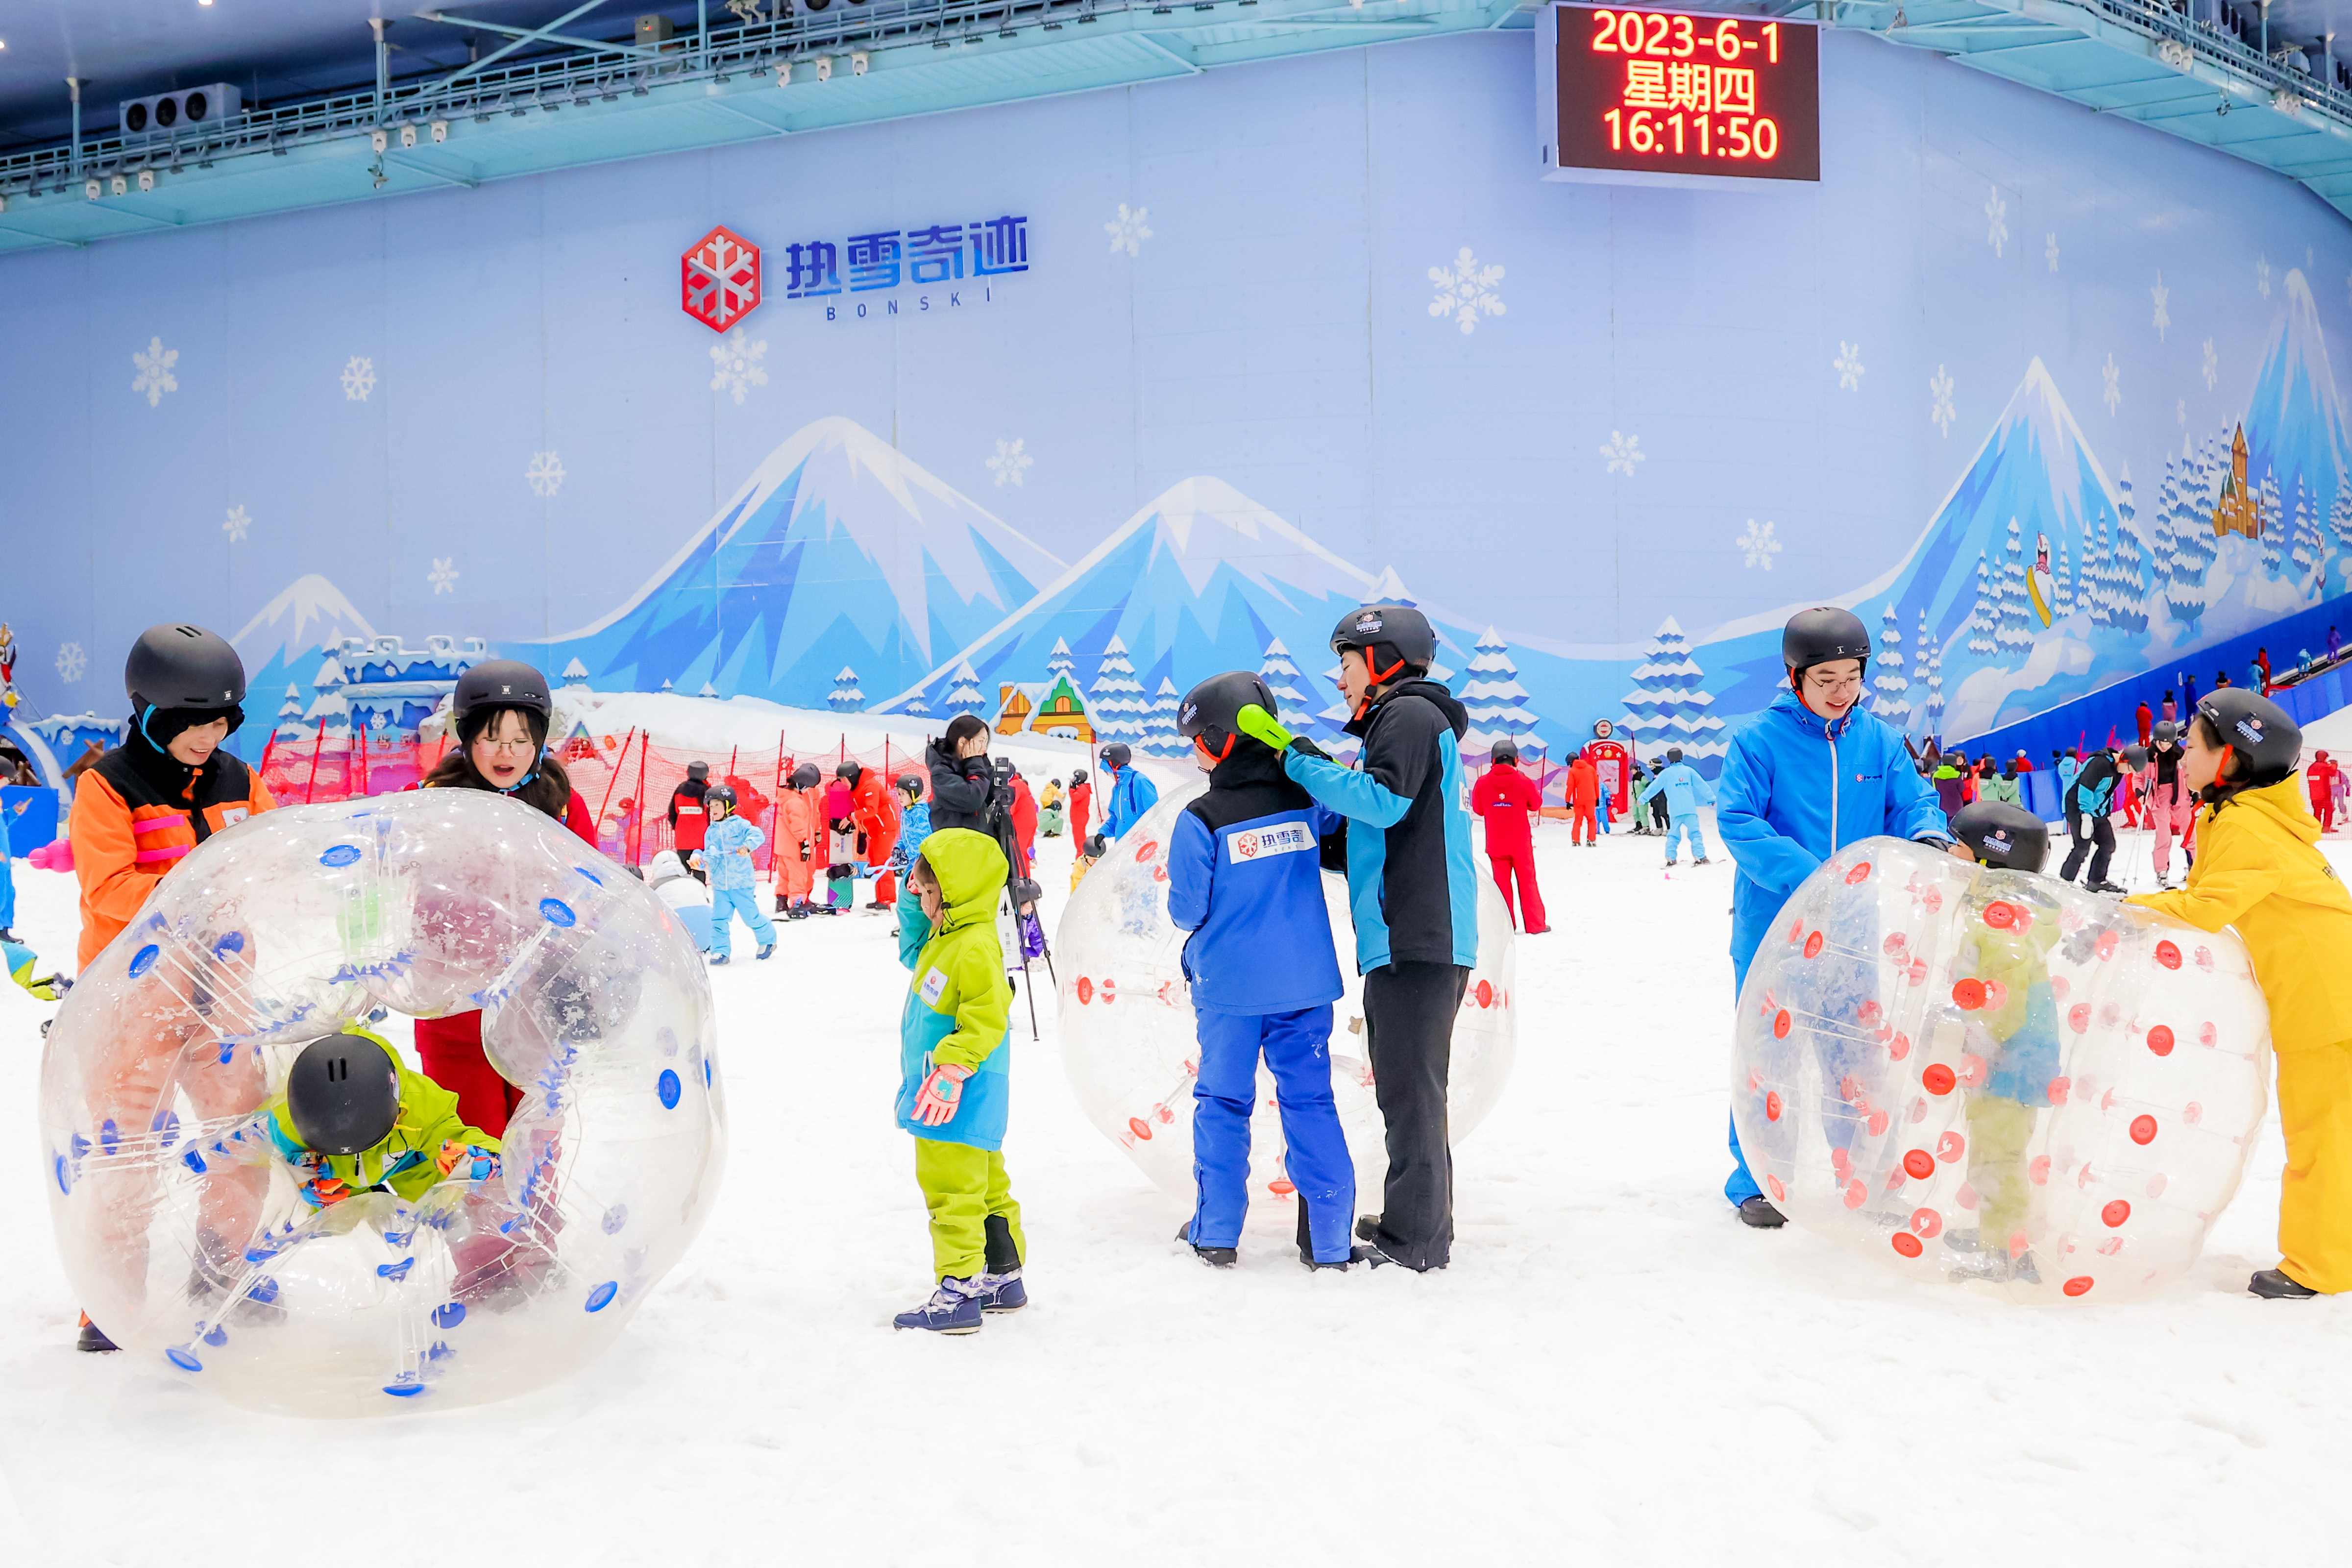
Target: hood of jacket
{"points": [[971, 870], [1456, 714], [2283, 801]]}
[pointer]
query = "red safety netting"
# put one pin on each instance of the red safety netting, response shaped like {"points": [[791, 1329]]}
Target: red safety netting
{"points": [[613, 773]]}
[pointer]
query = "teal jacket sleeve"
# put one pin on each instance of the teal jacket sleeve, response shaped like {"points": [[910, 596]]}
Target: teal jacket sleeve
{"points": [[1398, 757], [914, 926], [1769, 857]]}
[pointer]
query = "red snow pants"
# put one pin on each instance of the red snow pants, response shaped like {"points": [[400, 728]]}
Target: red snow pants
{"points": [[1581, 828], [1530, 910]]}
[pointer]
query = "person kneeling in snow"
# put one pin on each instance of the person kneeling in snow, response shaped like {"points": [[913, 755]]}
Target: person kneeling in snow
{"points": [[352, 1120], [1246, 879], [954, 1090], [726, 855]]}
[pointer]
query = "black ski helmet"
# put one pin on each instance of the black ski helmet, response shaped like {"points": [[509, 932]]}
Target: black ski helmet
{"points": [[2165, 734], [720, 795], [2134, 757], [1505, 754], [500, 683], [1117, 755], [1210, 712], [698, 771], [1401, 629], [2000, 834], [1821, 634], [178, 666], [848, 773], [343, 1094], [2257, 729], [1077, 777], [1673, 753], [910, 783], [808, 776]]}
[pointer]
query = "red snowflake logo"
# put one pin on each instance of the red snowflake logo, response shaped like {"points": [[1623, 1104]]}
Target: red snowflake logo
{"points": [[719, 279]]}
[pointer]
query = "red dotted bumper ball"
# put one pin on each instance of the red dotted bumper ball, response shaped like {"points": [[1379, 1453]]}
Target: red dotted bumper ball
{"points": [[1131, 1066], [180, 1207], [1983, 1077]]}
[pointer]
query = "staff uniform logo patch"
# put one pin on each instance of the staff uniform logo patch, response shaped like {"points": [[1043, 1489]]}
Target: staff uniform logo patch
{"points": [[1259, 843], [935, 985]]}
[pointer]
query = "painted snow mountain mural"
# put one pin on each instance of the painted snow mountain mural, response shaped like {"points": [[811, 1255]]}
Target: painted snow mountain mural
{"points": [[285, 643], [2296, 425], [1201, 579], [837, 555]]}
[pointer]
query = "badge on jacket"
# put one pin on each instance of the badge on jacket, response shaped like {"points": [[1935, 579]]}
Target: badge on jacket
{"points": [[935, 985]]}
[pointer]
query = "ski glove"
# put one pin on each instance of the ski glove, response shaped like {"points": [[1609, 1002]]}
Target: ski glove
{"points": [[942, 1092], [1096, 846], [323, 1190], [467, 1162], [1262, 726]]}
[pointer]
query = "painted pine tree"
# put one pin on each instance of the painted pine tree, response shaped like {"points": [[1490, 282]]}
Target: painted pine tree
{"points": [[1497, 702], [964, 695], [1059, 666], [2189, 531], [2304, 548], [1115, 703], [2014, 633], [1985, 619], [918, 706], [1668, 706], [1283, 679], [1929, 660], [2063, 576], [2272, 513], [845, 698], [1891, 704], [2340, 516], [1159, 736]]}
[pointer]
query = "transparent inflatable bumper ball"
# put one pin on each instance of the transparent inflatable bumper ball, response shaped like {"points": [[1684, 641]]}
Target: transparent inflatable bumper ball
{"points": [[1995, 1078], [1131, 1053], [183, 1226]]}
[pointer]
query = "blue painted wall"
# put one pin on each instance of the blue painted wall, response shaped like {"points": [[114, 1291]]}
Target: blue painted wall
{"points": [[1995, 306]]}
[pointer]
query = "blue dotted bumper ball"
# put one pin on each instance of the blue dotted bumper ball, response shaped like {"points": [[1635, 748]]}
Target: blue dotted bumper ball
{"points": [[186, 1224]]}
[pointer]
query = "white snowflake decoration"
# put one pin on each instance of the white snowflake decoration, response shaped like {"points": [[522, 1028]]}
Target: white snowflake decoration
{"points": [[1009, 460], [1758, 544], [1128, 231], [2213, 365], [2112, 393], [735, 364], [359, 379], [443, 576], [1996, 213], [237, 525], [545, 474], [156, 377], [71, 662], [1623, 452], [1941, 413], [2262, 275], [1848, 364], [2162, 296], [1466, 290], [2051, 250]]}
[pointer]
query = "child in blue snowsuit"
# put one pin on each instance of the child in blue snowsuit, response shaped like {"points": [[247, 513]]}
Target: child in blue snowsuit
{"points": [[1130, 794], [1245, 878], [1685, 792], [726, 857], [1808, 774]]}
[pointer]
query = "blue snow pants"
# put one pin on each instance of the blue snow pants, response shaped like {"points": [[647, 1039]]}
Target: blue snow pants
{"points": [[1298, 1051], [1680, 828], [725, 904]]}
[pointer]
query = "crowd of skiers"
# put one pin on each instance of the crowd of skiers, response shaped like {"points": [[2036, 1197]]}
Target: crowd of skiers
{"points": [[951, 846]]}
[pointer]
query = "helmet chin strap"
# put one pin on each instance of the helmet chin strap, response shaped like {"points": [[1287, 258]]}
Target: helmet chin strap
{"points": [[1201, 744]]}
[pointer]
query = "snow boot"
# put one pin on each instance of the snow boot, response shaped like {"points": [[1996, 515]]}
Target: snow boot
{"points": [[93, 1338], [1702, 860], [954, 1309], [1002, 1269], [1307, 1247], [1758, 1214], [1214, 1256], [1670, 864], [767, 951], [718, 961], [2271, 1285]]}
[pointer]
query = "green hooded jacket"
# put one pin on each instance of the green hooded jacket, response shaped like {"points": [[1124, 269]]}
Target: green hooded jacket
{"points": [[959, 1000]]}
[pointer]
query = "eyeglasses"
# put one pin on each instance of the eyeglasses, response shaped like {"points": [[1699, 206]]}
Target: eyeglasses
{"points": [[521, 747]]}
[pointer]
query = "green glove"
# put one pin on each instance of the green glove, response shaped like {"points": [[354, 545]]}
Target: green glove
{"points": [[1260, 725]]}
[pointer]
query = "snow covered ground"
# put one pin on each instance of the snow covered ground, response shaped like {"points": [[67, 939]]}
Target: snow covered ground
{"points": [[1613, 1372]]}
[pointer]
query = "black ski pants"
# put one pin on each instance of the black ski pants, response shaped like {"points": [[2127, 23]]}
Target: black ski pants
{"points": [[1409, 1011], [2086, 832]]}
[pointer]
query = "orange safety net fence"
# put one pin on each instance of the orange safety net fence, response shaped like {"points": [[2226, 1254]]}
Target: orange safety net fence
{"points": [[625, 781]]}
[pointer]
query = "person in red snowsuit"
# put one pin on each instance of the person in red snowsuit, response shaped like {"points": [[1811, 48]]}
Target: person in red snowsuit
{"points": [[799, 840], [1506, 800], [688, 821], [876, 813], [1024, 820], [500, 715], [1613, 769], [2320, 779], [1583, 798], [1082, 804], [2147, 717]]}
